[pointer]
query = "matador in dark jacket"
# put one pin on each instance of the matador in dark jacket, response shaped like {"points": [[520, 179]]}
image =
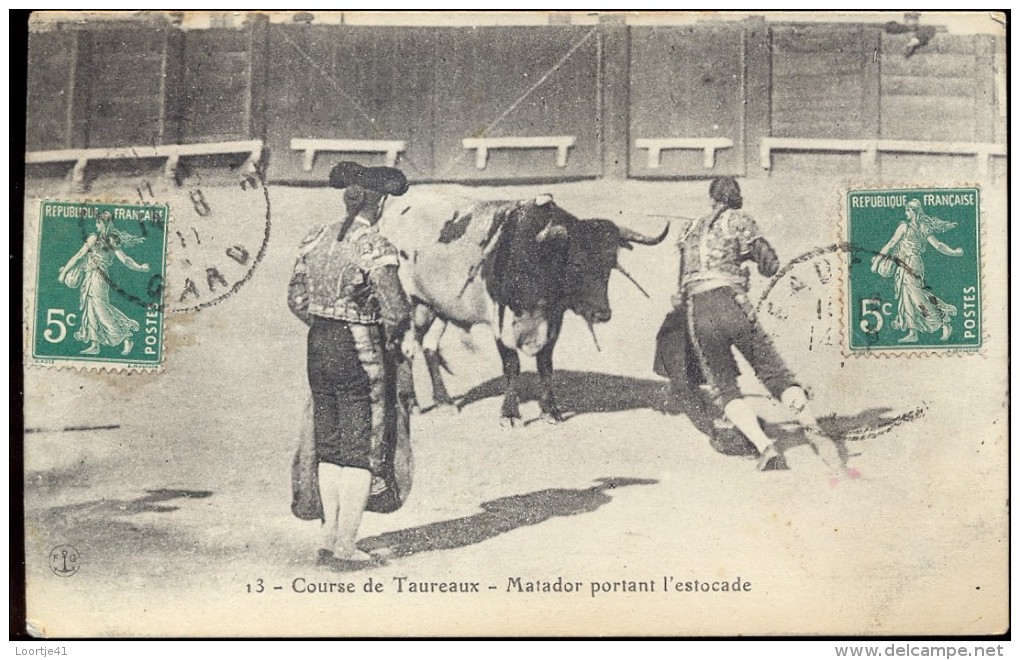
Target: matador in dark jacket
{"points": [[713, 316], [345, 288]]}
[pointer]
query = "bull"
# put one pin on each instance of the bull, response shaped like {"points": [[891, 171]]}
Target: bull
{"points": [[517, 266]]}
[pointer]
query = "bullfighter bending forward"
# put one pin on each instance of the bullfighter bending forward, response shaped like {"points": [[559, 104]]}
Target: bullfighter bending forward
{"points": [[713, 315], [345, 287]]}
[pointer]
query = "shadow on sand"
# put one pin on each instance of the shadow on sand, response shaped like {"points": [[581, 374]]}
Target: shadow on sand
{"points": [[580, 392], [151, 502], [104, 524], [583, 392], [498, 516]]}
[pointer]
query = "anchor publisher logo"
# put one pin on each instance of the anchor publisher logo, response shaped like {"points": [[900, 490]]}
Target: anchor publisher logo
{"points": [[64, 560]]}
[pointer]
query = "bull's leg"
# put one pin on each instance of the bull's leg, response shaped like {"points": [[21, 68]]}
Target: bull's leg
{"points": [[512, 372], [550, 409], [424, 319], [434, 362], [434, 359]]}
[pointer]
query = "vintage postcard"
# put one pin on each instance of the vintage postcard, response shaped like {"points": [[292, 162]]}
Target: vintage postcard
{"points": [[515, 324]]}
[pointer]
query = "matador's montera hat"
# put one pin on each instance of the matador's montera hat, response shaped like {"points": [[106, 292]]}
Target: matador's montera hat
{"points": [[386, 180]]}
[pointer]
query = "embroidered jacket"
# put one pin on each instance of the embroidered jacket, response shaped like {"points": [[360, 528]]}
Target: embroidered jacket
{"points": [[715, 247], [352, 280]]}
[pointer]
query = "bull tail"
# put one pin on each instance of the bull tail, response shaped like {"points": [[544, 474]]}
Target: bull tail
{"points": [[440, 361]]}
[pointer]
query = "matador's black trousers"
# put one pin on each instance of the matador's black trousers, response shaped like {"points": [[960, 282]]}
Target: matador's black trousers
{"points": [[719, 322], [346, 375]]}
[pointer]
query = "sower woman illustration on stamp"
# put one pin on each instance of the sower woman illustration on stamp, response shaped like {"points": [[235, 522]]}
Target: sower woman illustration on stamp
{"points": [[918, 309], [88, 270]]}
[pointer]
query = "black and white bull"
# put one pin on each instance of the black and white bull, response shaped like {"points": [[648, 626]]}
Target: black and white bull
{"points": [[517, 266]]}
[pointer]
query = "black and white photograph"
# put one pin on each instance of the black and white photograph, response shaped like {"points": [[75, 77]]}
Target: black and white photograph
{"points": [[533, 324]]}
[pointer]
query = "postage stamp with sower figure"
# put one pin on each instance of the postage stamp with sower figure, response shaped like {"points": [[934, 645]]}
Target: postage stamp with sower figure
{"points": [[99, 285], [914, 279]]}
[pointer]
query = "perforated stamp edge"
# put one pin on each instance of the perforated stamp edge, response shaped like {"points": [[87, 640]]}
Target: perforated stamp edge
{"points": [[843, 228], [30, 296]]}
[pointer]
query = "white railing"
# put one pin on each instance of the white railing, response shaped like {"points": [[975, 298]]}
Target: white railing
{"points": [[869, 149], [171, 152], [483, 145], [708, 146], [312, 146]]}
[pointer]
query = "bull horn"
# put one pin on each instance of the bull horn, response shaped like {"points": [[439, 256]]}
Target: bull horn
{"points": [[591, 329], [634, 237], [631, 278]]}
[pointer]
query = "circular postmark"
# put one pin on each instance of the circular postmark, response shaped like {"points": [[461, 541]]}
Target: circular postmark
{"points": [[64, 560], [801, 298], [217, 238], [811, 277], [800, 306]]}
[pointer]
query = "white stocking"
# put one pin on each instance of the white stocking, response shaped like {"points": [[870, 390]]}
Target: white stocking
{"points": [[354, 485], [329, 492], [746, 420]]}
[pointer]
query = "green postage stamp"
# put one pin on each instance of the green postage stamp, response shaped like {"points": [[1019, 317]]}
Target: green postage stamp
{"points": [[914, 277], [99, 285]]}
